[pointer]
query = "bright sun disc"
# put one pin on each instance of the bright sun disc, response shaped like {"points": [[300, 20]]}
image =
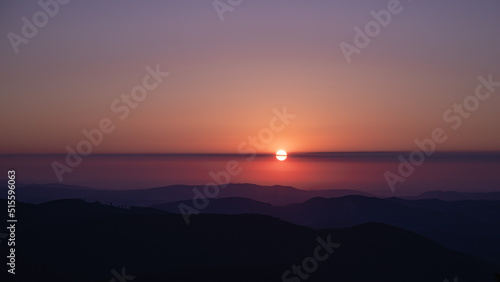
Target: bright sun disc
{"points": [[281, 155]]}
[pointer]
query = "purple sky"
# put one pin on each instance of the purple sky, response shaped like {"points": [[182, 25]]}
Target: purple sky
{"points": [[226, 77]]}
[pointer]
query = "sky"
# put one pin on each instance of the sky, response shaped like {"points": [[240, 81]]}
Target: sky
{"points": [[228, 77]]}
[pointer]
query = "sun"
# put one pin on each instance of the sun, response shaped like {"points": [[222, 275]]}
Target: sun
{"points": [[281, 155]]}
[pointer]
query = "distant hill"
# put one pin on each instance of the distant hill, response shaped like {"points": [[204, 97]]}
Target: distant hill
{"points": [[455, 196], [484, 210], [276, 195], [226, 206], [157, 246]]}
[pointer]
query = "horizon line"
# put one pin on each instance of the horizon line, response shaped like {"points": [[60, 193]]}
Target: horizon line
{"points": [[296, 154]]}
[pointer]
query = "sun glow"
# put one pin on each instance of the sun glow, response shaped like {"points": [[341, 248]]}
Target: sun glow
{"points": [[281, 155]]}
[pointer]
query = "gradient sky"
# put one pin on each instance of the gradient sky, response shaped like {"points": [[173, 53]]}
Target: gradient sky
{"points": [[226, 77]]}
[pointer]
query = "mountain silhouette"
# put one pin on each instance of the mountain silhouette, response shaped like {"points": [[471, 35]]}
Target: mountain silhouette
{"points": [[456, 196], [448, 223], [276, 195], [74, 240]]}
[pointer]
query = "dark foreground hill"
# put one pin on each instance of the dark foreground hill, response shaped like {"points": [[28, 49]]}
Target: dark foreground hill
{"points": [[469, 226], [71, 240]]}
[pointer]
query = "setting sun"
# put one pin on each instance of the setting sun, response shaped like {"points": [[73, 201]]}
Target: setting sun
{"points": [[281, 155]]}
